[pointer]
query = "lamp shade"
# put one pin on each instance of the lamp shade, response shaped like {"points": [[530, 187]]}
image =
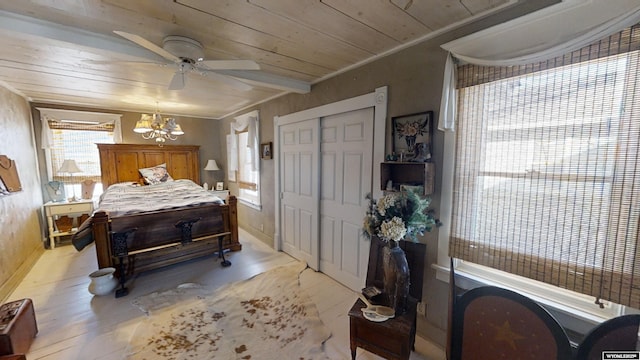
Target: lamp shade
{"points": [[177, 130], [144, 124], [211, 165], [69, 166]]}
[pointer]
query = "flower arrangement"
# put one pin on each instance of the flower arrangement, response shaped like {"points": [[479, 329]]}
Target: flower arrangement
{"points": [[411, 129], [398, 215]]}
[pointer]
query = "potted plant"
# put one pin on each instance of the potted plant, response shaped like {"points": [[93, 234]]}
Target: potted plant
{"points": [[393, 217]]}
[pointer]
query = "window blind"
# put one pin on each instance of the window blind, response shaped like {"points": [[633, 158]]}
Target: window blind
{"points": [[547, 173], [77, 141]]}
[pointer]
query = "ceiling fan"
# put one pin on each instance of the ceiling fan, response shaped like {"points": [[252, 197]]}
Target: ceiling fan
{"points": [[188, 56]]}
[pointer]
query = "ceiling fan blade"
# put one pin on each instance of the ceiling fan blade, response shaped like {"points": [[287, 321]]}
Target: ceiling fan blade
{"points": [[122, 62], [227, 80], [148, 45], [178, 81], [230, 64]]}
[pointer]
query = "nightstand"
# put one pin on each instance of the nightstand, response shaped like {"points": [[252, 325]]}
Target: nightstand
{"points": [[222, 194], [53, 210]]}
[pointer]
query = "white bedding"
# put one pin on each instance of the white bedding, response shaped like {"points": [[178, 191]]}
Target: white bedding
{"points": [[127, 198]]}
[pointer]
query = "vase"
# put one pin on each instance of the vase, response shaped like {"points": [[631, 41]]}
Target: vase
{"points": [[102, 281], [395, 277]]}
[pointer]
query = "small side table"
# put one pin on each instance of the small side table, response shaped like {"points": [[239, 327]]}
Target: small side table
{"points": [[391, 339], [222, 194], [54, 209]]}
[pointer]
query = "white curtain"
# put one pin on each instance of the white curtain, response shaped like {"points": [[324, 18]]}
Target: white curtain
{"points": [[448, 103], [117, 131], [47, 114], [539, 36], [247, 121], [47, 136], [232, 156]]}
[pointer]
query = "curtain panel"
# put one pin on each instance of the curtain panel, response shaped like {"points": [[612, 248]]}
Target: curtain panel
{"points": [[250, 122]]}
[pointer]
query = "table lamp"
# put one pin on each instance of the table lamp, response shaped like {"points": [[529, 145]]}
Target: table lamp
{"points": [[69, 166], [212, 165]]}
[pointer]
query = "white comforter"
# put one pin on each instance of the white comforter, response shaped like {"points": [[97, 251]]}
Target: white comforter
{"points": [[127, 198]]}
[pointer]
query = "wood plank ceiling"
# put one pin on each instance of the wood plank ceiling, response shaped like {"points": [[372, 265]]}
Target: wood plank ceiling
{"points": [[53, 51]]}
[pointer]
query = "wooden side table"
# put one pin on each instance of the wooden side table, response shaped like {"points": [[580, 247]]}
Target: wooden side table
{"points": [[391, 339], [54, 209]]}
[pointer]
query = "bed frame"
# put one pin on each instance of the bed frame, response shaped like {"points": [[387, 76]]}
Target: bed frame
{"points": [[156, 239]]}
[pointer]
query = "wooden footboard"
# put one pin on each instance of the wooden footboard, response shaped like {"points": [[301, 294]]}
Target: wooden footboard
{"points": [[157, 240]]}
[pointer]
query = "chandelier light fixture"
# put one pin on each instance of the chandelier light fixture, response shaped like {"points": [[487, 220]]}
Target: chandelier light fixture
{"points": [[155, 127]]}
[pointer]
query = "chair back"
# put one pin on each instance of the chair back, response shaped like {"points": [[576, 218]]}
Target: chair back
{"points": [[495, 323], [616, 334]]}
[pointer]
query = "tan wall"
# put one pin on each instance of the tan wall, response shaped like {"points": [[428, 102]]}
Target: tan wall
{"points": [[20, 212], [414, 77]]}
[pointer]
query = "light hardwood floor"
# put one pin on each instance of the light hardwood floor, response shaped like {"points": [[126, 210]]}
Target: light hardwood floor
{"points": [[74, 324]]}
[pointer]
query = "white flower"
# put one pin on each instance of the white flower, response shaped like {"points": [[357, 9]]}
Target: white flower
{"points": [[393, 229], [386, 202]]}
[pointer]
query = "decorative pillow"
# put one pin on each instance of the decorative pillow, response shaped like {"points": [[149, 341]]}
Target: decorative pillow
{"points": [[156, 175]]}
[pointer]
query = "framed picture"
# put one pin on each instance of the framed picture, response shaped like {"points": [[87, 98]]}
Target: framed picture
{"points": [[412, 136], [265, 150], [220, 185]]}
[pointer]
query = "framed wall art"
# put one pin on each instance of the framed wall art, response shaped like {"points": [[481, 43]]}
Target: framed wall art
{"points": [[265, 150], [412, 136]]}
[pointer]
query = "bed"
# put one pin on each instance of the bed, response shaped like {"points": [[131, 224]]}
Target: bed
{"points": [[155, 237]]}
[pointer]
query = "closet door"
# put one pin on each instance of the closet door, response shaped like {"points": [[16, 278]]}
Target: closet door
{"points": [[327, 160], [346, 172], [299, 177]]}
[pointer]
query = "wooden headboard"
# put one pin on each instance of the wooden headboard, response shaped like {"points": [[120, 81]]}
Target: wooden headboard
{"points": [[120, 162]]}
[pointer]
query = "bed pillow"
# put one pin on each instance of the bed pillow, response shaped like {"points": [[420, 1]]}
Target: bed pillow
{"points": [[156, 175]]}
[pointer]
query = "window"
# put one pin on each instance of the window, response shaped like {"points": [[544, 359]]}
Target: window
{"points": [[243, 158], [73, 135], [248, 179], [547, 168]]}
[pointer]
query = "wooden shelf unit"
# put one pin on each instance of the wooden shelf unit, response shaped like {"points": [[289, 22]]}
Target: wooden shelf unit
{"points": [[407, 173]]}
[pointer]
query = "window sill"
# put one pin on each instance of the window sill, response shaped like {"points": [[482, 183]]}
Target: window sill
{"points": [[250, 204], [575, 318]]}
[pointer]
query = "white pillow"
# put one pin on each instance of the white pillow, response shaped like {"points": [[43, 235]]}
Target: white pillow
{"points": [[156, 175]]}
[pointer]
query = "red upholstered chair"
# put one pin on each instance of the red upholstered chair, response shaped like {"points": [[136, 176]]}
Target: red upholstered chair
{"points": [[495, 323], [617, 334]]}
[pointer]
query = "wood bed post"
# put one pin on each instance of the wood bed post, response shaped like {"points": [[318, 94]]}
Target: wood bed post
{"points": [[233, 222], [102, 239]]}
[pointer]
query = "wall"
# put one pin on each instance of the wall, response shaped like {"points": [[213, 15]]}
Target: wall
{"points": [[20, 212], [414, 77]]}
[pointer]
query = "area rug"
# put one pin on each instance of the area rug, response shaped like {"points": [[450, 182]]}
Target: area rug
{"points": [[266, 317]]}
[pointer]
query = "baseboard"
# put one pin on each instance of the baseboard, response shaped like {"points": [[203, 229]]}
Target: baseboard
{"points": [[428, 349], [21, 272], [257, 234]]}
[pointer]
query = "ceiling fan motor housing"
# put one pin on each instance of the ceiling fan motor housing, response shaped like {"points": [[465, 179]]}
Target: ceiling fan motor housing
{"points": [[183, 47]]}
